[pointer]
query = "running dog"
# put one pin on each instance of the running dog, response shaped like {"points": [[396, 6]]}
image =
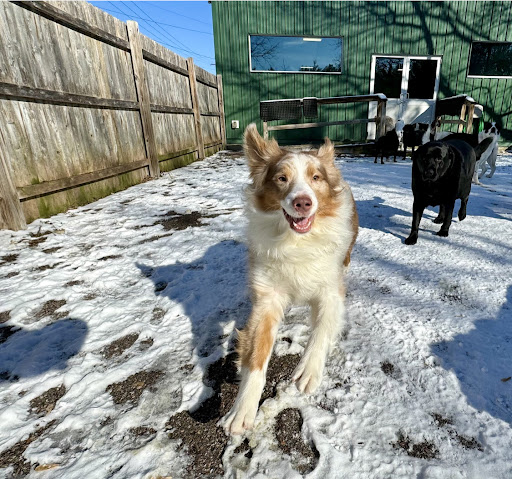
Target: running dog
{"points": [[302, 225]]}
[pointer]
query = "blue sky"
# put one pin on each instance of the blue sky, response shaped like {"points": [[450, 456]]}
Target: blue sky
{"points": [[184, 27]]}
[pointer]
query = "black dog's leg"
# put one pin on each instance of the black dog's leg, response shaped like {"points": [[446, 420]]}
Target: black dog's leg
{"points": [[448, 212], [375, 161], [405, 150], [417, 213], [441, 215], [382, 158], [462, 211]]}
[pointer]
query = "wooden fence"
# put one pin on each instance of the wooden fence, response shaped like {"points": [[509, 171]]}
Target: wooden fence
{"points": [[89, 106]]}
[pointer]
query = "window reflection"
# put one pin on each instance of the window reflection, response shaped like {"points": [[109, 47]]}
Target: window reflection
{"points": [[422, 79], [388, 76], [491, 59], [296, 54]]}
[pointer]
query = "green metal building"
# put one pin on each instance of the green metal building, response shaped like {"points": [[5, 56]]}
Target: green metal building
{"points": [[414, 52]]}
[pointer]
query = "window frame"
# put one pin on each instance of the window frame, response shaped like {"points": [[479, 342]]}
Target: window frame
{"points": [[305, 72], [468, 75]]}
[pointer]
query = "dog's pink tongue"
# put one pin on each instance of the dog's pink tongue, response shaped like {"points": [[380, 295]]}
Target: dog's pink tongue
{"points": [[301, 225]]}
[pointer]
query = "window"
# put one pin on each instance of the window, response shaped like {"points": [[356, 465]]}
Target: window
{"points": [[491, 59], [270, 53]]}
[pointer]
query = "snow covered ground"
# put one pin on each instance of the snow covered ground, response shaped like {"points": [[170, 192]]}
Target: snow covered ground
{"points": [[115, 317]]}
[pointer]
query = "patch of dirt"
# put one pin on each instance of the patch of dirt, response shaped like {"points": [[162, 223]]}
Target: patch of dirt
{"points": [[280, 368], [154, 238], [4, 316], [245, 448], [130, 390], [49, 308], [158, 314], [9, 258], [112, 256], [90, 296], [12, 274], [142, 431], [45, 403], [146, 344], [387, 368], [76, 282], [206, 454], [119, 346], [35, 242], [288, 432], [465, 441], [187, 426], [160, 286], [47, 267], [180, 221], [420, 450], [13, 457], [52, 250]]}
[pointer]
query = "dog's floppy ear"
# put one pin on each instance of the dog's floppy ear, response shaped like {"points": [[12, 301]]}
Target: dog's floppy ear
{"points": [[326, 152], [259, 151]]}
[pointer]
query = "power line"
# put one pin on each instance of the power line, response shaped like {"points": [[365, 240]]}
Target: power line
{"points": [[157, 35], [179, 14]]}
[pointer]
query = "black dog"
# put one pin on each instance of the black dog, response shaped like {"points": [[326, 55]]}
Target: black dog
{"points": [[441, 173], [413, 135], [387, 145]]}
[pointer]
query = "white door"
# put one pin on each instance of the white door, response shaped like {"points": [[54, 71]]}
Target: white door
{"points": [[411, 84]]}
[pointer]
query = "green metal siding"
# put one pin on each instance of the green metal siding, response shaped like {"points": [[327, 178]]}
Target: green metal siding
{"points": [[367, 28]]}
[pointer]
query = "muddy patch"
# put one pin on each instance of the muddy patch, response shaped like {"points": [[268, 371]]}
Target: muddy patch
{"points": [[12, 274], [177, 222], [52, 250], [130, 390], [13, 457], [146, 344], [9, 258], [280, 368], [45, 403], [109, 257], [5, 316], [288, 431], [157, 316], [420, 450], [206, 455], [466, 442], [46, 267], [49, 309], [76, 282], [119, 346]]}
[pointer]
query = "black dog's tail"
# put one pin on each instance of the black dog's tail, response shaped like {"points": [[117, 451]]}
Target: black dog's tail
{"points": [[482, 146]]}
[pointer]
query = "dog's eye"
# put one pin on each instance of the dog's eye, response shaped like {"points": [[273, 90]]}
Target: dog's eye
{"points": [[283, 179], [316, 178]]}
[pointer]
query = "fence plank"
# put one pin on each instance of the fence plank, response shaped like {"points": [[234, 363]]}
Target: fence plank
{"points": [[222, 119], [195, 106], [11, 213], [143, 97], [41, 189], [45, 9]]}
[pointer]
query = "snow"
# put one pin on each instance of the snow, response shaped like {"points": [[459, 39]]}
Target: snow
{"points": [[439, 312]]}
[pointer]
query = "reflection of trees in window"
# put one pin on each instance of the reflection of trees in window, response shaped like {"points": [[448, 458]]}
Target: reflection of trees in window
{"points": [[493, 59], [292, 53], [263, 49]]}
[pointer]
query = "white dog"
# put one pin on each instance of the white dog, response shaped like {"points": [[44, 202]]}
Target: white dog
{"points": [[302, 226]]}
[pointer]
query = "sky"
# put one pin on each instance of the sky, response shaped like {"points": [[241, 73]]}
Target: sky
{"points": [[186, 28]]}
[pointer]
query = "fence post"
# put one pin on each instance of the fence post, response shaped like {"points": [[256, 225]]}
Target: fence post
{"points": [[195, 107], [143, 97], [220, 93], [11, 212], [380, 120]]}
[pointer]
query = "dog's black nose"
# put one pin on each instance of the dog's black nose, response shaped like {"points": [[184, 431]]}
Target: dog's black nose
{"points": [[302, 204]]}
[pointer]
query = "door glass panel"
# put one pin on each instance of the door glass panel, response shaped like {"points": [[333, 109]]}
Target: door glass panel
{"points": [[422, 79], [388, 76]]}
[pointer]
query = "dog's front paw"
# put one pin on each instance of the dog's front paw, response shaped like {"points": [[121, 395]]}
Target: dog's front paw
{"points": [[239, 419], [442, 233], [438, 220], [308, 375], [412, 239]]}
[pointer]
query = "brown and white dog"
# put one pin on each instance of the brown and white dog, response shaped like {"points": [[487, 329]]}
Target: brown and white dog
{"points": [[303, 224]]}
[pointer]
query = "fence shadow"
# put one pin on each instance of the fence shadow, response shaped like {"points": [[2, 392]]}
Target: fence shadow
{"points": [[481, 361], [212, 291], [25, 353], [376, 215]]}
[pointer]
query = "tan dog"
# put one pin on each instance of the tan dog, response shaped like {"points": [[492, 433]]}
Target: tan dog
{"points": [[302, 226]]}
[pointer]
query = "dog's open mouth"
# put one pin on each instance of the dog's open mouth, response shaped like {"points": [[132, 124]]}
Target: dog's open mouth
{"points": [[300, 225]]}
